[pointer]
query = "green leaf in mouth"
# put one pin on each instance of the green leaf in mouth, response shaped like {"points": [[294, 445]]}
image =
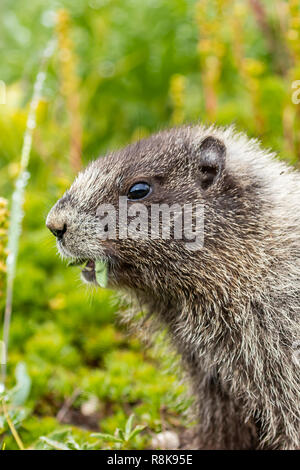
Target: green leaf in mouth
{"points": [[101, 273]]}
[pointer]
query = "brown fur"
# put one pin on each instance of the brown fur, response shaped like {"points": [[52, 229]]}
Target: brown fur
{"points": [[231, 308]]}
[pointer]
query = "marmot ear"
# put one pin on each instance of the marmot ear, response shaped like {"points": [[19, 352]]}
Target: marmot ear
{"points": [[211, 155]]}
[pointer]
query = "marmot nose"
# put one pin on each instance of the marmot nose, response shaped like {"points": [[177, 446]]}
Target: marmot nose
{"points": [[58, 231]]}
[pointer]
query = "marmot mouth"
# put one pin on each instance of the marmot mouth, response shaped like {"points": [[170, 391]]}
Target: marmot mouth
{"points": [[88, 273], [93, 272]]}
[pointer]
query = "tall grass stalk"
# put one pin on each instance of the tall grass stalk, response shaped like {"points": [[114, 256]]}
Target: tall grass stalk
{"points": [[70, 85], [177, 89], [3, 243], [16, 212]]}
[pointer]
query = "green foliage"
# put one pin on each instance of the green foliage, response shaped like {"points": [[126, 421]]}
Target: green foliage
{"points": [[122, 439], [74, 375]]}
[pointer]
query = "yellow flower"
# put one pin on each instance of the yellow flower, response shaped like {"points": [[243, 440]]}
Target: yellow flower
{"points": [[58, 302], [70, 85], [177, 87], [253, 67]]}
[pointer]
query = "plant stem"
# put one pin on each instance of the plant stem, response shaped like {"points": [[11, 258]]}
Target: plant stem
{"points": [[12, 428], [16, 213]]}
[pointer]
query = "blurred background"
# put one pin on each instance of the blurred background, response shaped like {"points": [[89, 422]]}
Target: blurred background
{"points": [[119, 70]]}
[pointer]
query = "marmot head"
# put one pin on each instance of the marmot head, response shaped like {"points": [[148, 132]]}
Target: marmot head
{"points": [[187, 169]]}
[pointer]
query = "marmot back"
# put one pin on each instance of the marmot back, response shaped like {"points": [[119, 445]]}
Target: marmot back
{"points": [[232, 305]]}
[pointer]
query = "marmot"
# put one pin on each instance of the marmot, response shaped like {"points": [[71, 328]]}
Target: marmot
{"points": [[232, 306]]}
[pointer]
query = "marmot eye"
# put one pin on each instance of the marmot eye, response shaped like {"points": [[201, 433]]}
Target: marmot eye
{"points": [[139, 191]]}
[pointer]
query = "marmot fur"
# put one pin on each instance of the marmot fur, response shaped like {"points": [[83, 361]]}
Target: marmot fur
{"points": [[232, 306]]}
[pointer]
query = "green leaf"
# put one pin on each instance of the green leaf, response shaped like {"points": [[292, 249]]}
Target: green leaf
{"points": [[73, 444], [120, 433], [107, 437], [20, 392], [136, 431], [55, 444], [101, 273], [128, 427]]}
